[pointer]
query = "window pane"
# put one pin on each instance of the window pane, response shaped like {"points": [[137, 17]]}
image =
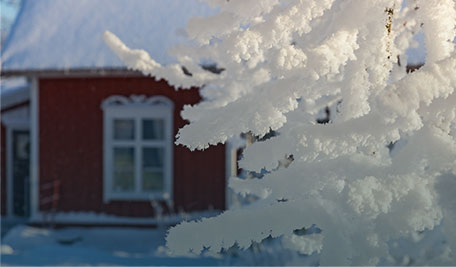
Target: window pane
{"points": [[152, 180], [124, 169], [153, 157], [153, 129], [124, 129]]}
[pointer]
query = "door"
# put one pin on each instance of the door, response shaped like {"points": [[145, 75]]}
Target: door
{"points": [[21, 173]]}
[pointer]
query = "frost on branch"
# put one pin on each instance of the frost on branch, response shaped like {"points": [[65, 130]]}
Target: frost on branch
{"points": [[382, 166]]}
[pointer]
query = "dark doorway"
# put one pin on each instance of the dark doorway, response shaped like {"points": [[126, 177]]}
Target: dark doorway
{"points": [[21, 173]]}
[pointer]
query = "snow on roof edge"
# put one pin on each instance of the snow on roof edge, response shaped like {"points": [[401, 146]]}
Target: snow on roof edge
{"points": [[13, 91]]}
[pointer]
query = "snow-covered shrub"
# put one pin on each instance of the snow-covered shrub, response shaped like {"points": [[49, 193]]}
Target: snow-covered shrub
{"points": [[367, 176]]}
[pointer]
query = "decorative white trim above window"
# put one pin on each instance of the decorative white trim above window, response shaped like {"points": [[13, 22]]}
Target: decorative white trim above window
{"points": [[136, 100], [138, 148]]}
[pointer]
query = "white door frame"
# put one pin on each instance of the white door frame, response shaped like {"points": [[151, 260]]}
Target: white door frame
{"points": [[11, 126]]}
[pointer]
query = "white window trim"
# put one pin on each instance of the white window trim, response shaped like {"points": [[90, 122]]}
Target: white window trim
{"points": [[137, 107]]}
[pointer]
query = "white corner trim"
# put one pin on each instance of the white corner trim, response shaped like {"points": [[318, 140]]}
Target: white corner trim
{"points": [[228, 173], [34, 148]]}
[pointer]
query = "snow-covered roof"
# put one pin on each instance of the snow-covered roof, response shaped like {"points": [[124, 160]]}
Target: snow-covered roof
{"points": [[67, 34]]}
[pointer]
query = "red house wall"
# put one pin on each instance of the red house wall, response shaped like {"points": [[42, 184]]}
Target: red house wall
{"points": [[71, 147]]}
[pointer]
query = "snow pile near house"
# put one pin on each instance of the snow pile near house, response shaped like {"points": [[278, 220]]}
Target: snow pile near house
{"points": [[366, 177], [66, 34]]}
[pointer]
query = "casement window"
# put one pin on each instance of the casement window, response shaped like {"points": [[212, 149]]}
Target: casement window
{"points": [[138, 138]]}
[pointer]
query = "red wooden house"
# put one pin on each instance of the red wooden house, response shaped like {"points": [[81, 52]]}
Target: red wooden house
{"points": [[89, 139]]}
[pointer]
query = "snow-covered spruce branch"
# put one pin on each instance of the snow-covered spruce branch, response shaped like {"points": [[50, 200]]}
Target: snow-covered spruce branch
{"points": [[374, 172], [140, 60]]}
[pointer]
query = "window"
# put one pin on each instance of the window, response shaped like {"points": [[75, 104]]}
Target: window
{"points": [[138, 137]]}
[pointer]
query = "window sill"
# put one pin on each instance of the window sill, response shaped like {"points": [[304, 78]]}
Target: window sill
{"points": [[136, 196]]}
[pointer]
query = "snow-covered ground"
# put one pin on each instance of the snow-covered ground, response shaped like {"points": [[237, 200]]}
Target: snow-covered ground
{"points": [[25, 245], [121, 246]]}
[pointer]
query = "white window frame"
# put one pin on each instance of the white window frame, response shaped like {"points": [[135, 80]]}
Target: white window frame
{"points": [[137, 107]]}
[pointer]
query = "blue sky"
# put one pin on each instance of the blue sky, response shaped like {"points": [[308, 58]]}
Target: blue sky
{"points": [[7, 10], [8, 13]]}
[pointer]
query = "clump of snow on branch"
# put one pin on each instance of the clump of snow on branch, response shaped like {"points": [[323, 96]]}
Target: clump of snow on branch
{"points": [[373, 172]]}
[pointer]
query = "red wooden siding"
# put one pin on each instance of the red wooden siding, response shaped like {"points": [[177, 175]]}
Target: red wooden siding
{"points": [[71, 147]]}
